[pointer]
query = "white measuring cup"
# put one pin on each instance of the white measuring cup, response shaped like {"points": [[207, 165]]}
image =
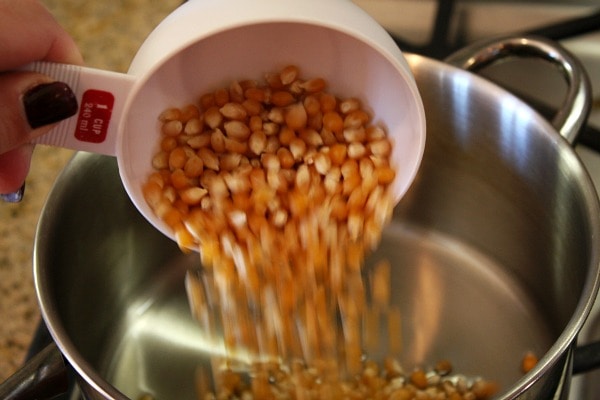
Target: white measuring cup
{"points": [[206, 44]]}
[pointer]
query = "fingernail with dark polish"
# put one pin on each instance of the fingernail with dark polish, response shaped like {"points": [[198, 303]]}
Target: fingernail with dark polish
{"points": [[13, 197], [48, 103]]}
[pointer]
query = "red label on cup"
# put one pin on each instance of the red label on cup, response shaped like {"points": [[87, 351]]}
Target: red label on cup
{"points": [[94, 116]]}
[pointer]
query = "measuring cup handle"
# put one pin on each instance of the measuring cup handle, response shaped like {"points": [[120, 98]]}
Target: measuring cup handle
{"points": [[575, 109], [101, 97]]}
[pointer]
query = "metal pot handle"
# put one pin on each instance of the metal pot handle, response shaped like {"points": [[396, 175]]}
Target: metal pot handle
{"points": [[575, 108], [42, 377]]}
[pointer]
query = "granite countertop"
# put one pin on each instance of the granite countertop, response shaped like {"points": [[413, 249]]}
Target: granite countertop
{"points": [[108, 34]]}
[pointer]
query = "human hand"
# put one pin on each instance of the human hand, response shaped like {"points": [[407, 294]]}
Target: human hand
{"points": [[29, 102]]}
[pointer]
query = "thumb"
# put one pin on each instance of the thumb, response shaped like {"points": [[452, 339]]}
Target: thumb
{"points": [[30, 105]]}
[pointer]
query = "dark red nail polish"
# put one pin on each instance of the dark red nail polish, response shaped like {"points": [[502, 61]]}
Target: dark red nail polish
{"points": [[48, 103], [15, 196]]}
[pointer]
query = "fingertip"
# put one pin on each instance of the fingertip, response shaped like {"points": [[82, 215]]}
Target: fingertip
{"points": [[48, 103], [14, 166], [34, 35], [30, 105], [64, 50]]}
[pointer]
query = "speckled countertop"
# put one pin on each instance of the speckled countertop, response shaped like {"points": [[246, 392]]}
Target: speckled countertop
{"points": [[108, 34]]}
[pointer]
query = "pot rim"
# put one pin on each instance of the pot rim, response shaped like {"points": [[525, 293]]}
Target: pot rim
{"points": [[45, 297]]}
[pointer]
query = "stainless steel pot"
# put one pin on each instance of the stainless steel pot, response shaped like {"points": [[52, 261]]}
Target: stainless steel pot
{"points": [[494, 251]]}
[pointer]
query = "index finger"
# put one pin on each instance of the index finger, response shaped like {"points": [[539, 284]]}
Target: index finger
{"points": [[29, 32]]}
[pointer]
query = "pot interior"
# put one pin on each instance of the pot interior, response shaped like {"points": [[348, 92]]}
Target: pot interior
{"points": [[491, 254]]}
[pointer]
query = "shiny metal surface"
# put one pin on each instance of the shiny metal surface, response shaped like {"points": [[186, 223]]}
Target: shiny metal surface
{"points": [[496, 178], [41, 378], [575, 108], [493, 250]]}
